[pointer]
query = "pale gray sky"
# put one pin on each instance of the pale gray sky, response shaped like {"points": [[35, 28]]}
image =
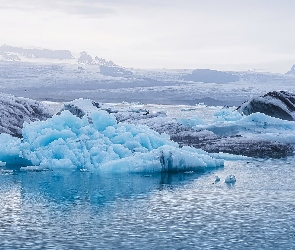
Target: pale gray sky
{"points": [[220, 34]]}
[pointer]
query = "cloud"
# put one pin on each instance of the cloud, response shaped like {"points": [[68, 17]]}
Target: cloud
{"points": [[87, 8], [131, 31]]}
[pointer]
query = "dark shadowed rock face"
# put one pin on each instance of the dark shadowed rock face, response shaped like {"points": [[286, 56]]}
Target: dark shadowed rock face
{"points": [[235, 145], [276, 104], [14, 111]]}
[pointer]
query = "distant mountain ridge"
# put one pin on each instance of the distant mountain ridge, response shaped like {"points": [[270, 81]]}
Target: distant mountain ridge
{"points": [[292, 70], [10, 53]]}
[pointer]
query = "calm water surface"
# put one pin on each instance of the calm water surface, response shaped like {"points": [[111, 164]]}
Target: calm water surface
{"points": [[83, 210]]}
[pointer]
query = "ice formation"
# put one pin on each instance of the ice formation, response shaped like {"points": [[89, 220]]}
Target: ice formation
{"points": [[262, 125], [230, 179], [16, 110], [280, 104], [227, 114], [97, 142], [217, 178], [190, 122]]}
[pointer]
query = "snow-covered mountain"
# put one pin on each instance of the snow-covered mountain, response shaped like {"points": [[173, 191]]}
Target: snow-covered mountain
{"points": [[292, 70], [86, 59], [36, 55], [10, 53], [62, 75]]}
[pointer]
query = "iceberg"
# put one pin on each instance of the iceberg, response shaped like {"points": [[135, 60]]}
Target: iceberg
{"points": [[257, 123], [98, 142], [255, 135], [17, 110], [279, 104]]}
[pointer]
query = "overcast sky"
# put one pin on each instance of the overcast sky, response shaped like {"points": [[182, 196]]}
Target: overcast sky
{"points": [[219, 34]]}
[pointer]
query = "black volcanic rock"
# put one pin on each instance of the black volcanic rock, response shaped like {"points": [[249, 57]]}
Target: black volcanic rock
{"points": [[249, 147], [237, 145], [276, 104], [14, 111]]}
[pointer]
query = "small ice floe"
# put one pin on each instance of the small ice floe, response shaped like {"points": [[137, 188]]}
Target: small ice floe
{"points": [[2, 164], [83, 170], [230, 179], [6, 172], [188, 172], [34, 168], [217, 179]]}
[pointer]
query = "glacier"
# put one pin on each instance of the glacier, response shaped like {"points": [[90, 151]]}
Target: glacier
{"points": [[98, 142]]}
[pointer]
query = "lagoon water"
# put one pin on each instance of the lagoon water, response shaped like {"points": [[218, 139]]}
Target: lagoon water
{"points": [[66, 209]]}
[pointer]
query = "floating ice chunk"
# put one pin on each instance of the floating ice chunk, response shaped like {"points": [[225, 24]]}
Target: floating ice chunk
{"points": [[229, 157], [10, 150], [33, 169], [190, 122], [15, 111], [230, 179], [67, 141], [226, 114], [267, 127], [6, 172]]}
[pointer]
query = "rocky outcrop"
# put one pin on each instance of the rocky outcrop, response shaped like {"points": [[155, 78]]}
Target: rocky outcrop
{"points": [[237, 145], [14, 111], [279, 104]]}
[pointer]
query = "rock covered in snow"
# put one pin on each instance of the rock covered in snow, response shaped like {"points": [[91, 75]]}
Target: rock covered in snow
{"points": [[16, 110], [279, 104]]}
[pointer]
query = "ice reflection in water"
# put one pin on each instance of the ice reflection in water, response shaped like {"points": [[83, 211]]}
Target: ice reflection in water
{"points": [[74, 210]]}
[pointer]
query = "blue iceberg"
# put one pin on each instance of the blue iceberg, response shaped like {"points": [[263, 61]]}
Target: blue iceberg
{"points": [[97, 142]]}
